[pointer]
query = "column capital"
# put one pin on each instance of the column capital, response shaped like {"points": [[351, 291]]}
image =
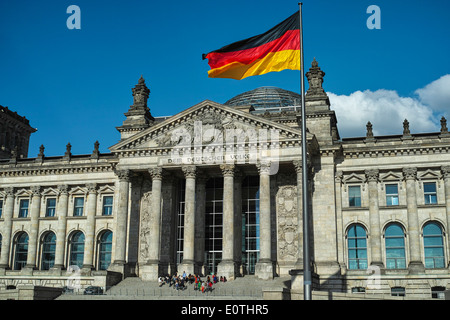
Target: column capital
{"points": [[123, 175], [445, 171], [338, 176], [298, 166], [410, 173], [227, 170], [36, 191], [263, 167], [63, 189], [156, 173], [372, 175], [92, 187], [189, 171], [9, 191]]}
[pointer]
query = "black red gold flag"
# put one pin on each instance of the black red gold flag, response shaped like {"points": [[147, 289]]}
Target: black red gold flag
{"points": [[275, 50]]}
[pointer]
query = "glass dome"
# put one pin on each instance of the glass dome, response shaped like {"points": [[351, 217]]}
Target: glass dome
{"points": [[264, 99]]}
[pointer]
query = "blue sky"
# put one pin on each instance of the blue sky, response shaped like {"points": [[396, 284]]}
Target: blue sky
{"points": [[75, 85]]}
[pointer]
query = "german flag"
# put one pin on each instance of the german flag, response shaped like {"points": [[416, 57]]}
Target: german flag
{"points": [[275, 50]]}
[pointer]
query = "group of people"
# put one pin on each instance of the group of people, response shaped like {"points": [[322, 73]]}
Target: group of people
{"points": [[179, 282]]}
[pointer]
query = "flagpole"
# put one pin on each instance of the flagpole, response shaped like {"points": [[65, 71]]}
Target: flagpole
{"points": [[307, 283]]}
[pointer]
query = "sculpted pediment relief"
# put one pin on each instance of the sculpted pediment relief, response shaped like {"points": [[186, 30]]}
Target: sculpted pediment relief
{"points": [[209, 124]]}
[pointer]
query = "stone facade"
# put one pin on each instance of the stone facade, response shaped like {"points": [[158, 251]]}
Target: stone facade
{"points": [[218, 189], [15, 132]]}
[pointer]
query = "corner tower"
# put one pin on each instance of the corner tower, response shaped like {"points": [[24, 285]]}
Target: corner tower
{"points": [[138, 115]]}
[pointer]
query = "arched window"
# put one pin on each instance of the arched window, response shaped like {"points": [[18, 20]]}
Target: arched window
{"points": [[48, 251], [395, 247], [357, 247], [76, 249], [20, 251], [104, 250], [433, 244]]}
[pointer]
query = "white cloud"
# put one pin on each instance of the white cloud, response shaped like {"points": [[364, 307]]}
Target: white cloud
{"points": [[436, 94], [386, 110]]}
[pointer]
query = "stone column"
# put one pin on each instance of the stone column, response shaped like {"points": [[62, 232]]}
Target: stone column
{"points": [[374, 214], [188, 263], [415, 263], [151, 268], [200, 222], [91, 208], [227, 266], [61, 213], [298, 169], [238, 220], [264, 267], [446, 176], [34, 229], [121, 222], [8, 210]]}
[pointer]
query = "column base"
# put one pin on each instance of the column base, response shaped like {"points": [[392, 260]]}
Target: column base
{"points": [[120, 267], [188, 266], [264, 269], [149, 271], [228, 269]]}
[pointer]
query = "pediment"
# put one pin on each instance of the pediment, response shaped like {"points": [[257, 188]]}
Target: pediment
{"points": [[428, 174], [209, 124], [391, 176], [353, 178]]}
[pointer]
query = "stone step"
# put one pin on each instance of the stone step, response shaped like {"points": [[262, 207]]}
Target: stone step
{"points": [[242, 288]]}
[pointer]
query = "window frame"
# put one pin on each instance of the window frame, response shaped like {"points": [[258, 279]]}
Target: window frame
{"points": [[23, 209], [441, 246], [350, 198], [392, 248], [75, 207], [428, 195], [110, 207], [52, 209], [362, 263], [391, 195]]}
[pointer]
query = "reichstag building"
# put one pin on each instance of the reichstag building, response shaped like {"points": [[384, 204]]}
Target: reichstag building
{"points": [[217, 189]]}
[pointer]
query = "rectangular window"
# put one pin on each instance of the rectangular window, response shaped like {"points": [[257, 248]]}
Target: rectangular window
{"points": [[354, 196], [1, 208], [51, 207], [23, 208], [107, 205], [392, 195], [78, 207], [429, 190]]}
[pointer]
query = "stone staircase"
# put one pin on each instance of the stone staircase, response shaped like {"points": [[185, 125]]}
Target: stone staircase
{"points": [[133, 288]]}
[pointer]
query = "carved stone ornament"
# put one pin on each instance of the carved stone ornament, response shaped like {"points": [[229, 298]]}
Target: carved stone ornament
{"points": [[263, 167], [410, 173], [9, 191], [189, 171], [140, 93], [298, 166], [36, 190], [445, 171], [123, 175], [63, 189], [315, 79], [372, 175], [92, 187], [287, 222], [156, 173], [145, 230], [227, 170]]}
